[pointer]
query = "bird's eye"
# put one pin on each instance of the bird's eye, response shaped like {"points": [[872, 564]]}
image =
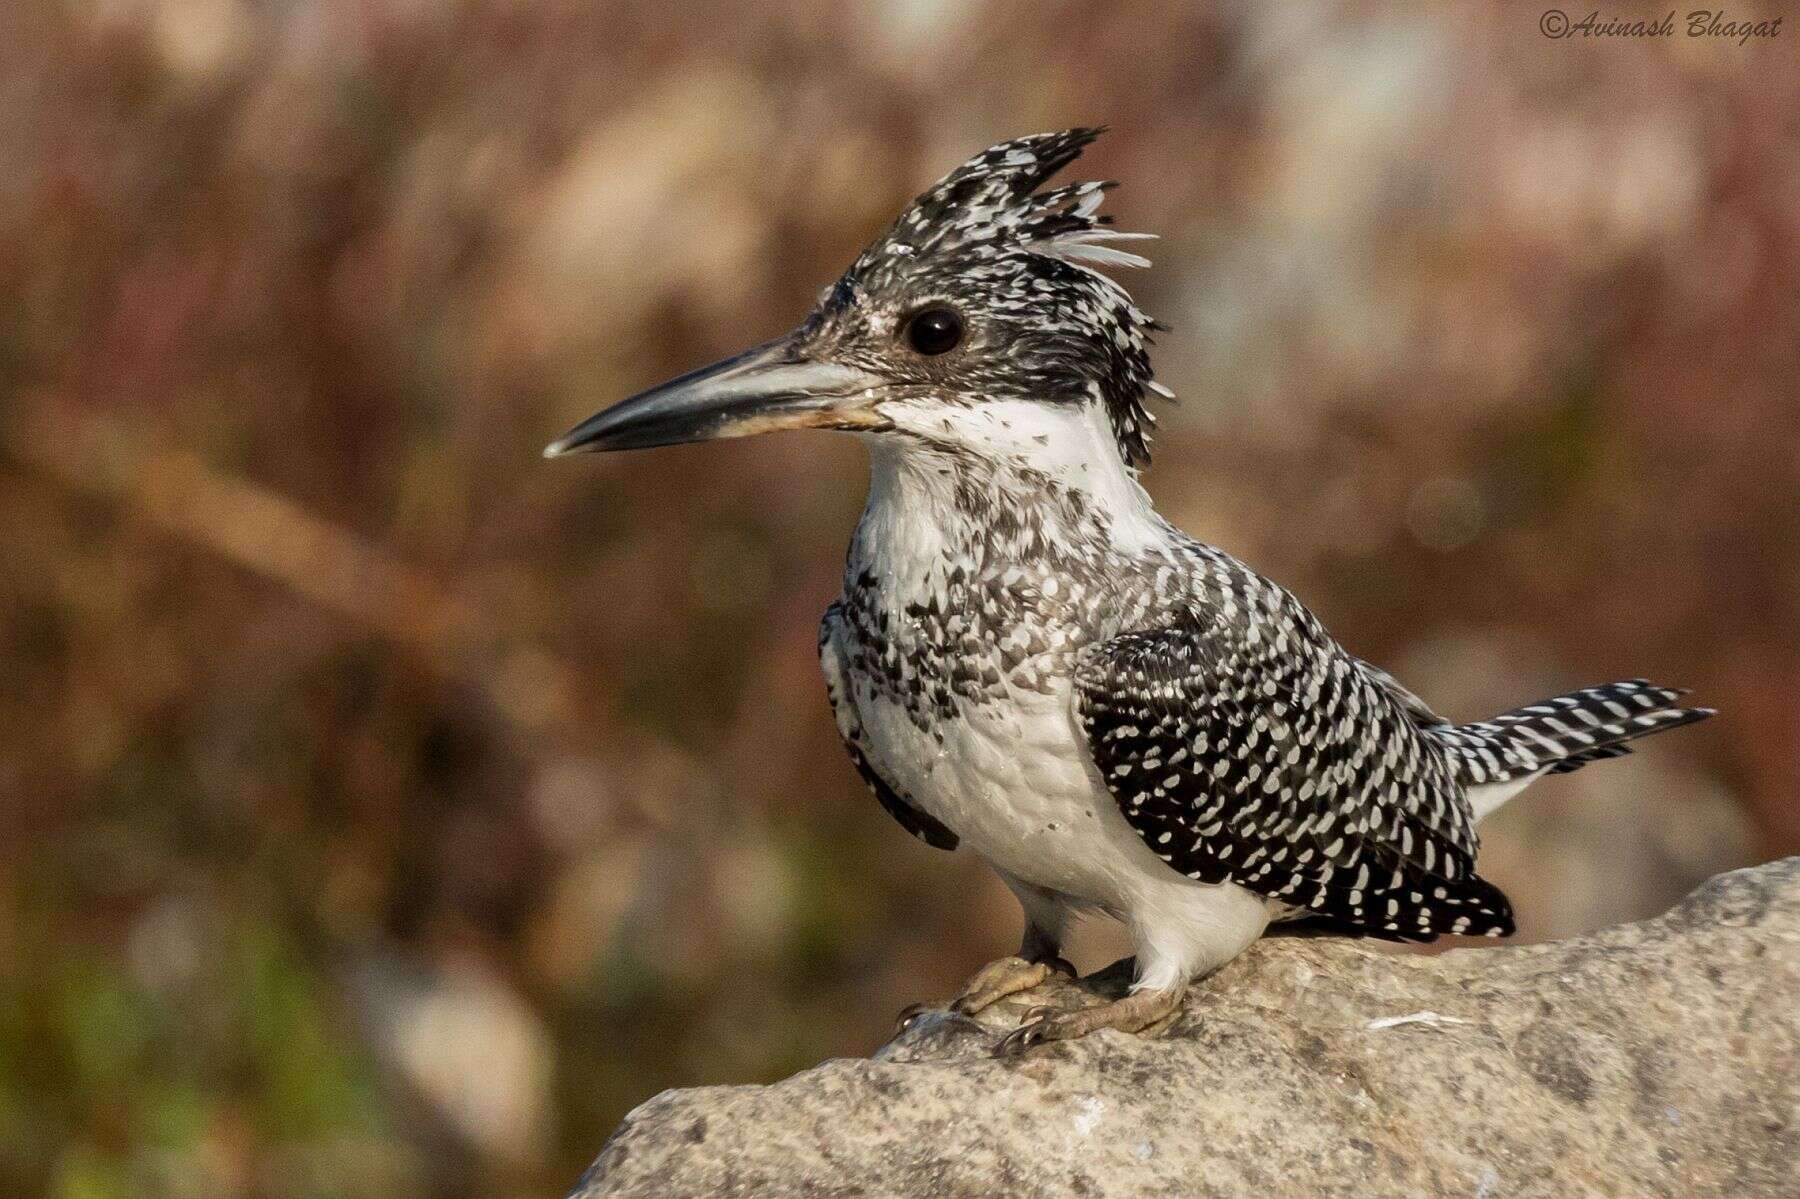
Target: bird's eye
{"points": [[935, 330]]}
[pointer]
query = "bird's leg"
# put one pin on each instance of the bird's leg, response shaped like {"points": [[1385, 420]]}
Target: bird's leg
{"points": [[1134, 1013]]}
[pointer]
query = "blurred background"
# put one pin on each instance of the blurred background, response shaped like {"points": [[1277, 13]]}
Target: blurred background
{"points": [[385, 811]]}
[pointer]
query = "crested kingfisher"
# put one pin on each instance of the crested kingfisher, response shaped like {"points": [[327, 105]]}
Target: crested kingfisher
{"points": [[1029, 661]]}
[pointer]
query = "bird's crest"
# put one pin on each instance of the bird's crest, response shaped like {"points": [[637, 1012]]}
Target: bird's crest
{"points": [[1030, 257]]}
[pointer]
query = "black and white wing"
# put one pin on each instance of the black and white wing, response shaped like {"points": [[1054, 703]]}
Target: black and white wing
{"points": [[919, 823], [1259, 753]]}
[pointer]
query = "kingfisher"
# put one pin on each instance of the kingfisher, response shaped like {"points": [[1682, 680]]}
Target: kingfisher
{"points": [[1027, 660]]}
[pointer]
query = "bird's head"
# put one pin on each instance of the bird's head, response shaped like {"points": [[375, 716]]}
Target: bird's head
{"points": [[983, 296]]}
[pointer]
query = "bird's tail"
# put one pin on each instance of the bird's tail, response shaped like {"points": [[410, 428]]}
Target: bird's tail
{"points": [[1495, 759]]}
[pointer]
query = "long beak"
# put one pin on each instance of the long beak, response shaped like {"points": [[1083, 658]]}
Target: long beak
{"points": [[770, 387]]}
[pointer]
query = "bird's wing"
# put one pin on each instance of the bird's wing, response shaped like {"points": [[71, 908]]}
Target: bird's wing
{"points": [[1271, 759], [919, 823]]}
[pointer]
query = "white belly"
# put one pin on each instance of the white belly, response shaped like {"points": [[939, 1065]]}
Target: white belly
{"points": [[1014, 781]]}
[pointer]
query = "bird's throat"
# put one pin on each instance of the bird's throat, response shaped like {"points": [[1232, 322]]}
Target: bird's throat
{"points": [[1048, 485]]}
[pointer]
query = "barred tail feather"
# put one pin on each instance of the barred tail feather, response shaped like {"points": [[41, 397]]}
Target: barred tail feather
{"points": [[1496, 758]]}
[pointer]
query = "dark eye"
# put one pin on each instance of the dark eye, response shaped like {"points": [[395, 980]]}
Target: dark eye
{"points": [[935, 330]]}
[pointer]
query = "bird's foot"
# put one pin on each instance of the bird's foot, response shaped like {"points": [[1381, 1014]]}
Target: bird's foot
{"points": [[1007, 976], [1137, 1012], [993, 982]]}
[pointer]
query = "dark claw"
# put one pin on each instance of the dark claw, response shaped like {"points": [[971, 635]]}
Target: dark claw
{"points": [[1062, 966], [1031, 1031], [908, 1014], [1019, 1040]]}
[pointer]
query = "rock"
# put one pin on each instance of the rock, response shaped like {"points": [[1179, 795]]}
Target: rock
{"points": [[1659, 1058]]}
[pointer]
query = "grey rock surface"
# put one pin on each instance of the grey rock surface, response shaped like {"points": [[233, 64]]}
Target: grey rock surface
{"points": [[1658, 1058]]}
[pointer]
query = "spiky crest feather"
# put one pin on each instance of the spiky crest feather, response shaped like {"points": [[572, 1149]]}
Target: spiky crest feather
{"points": [[1032, 255]]}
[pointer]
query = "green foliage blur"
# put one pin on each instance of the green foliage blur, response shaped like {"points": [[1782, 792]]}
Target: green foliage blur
{"points": [[385, 811]]}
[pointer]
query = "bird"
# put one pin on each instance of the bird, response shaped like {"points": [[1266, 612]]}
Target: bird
{"points": [[1028, 661]]}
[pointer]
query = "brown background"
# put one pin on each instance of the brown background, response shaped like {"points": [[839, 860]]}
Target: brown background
{"points": [[383, 810]]}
